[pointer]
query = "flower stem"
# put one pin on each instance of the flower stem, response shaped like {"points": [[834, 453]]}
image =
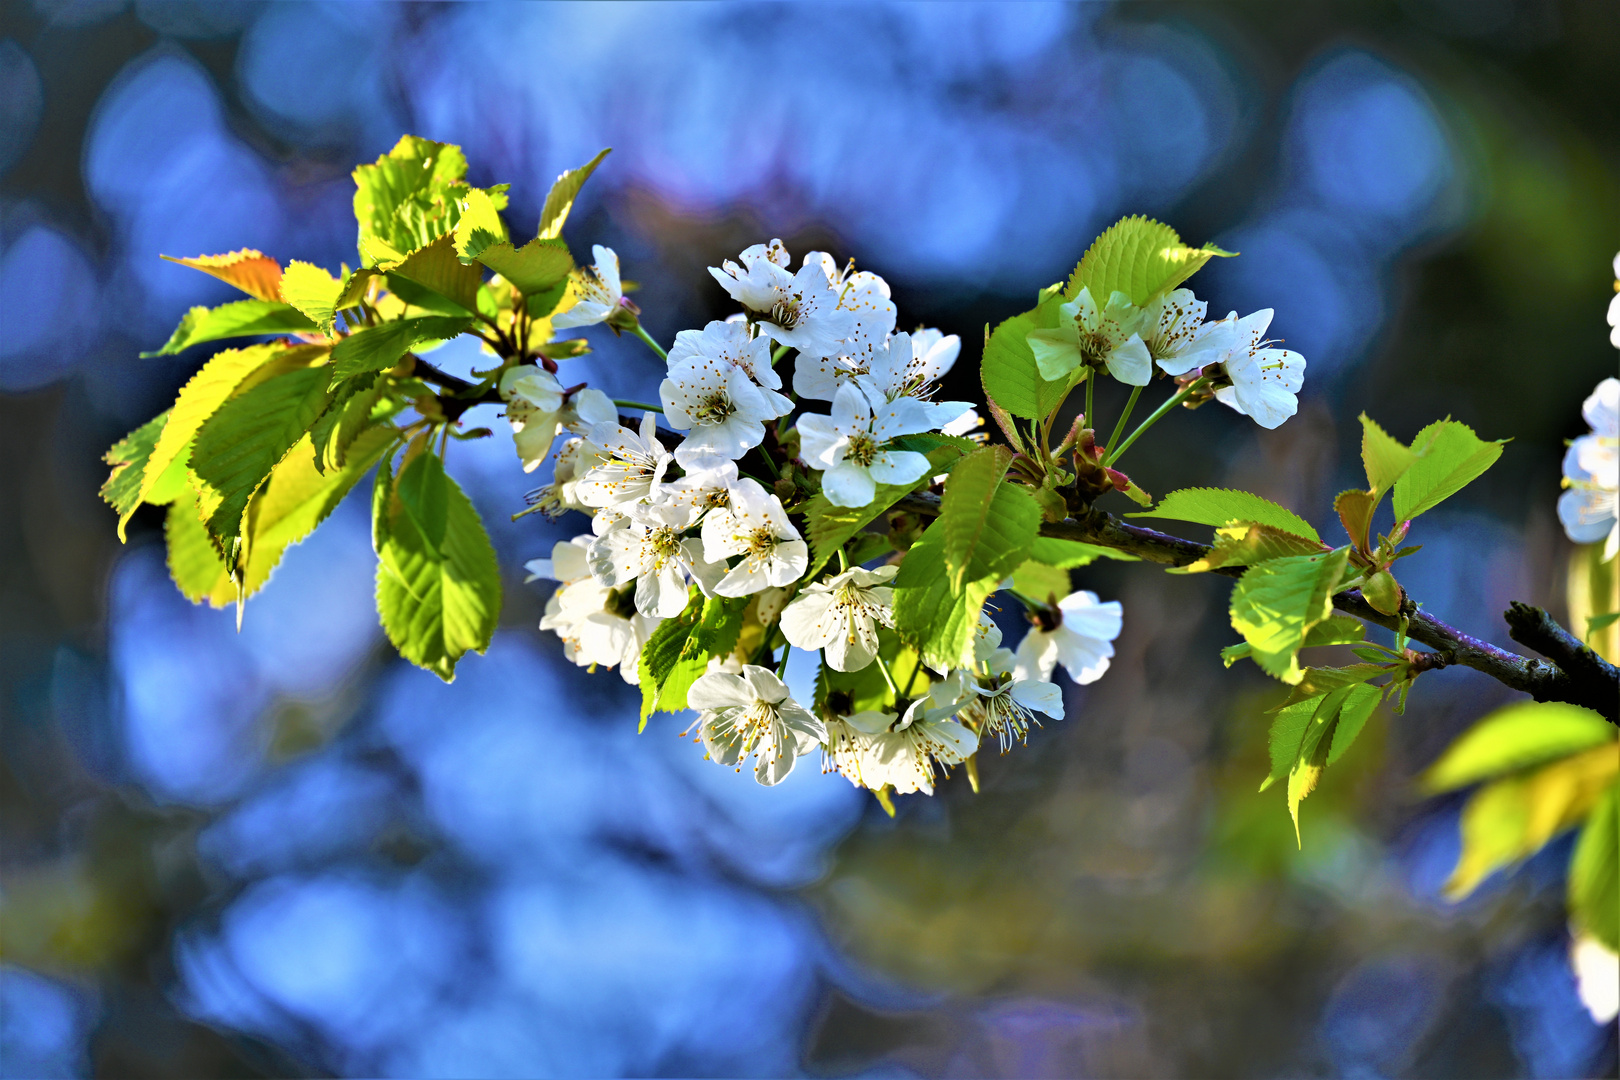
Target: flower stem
{"points": [[641, 332], [1136, 392], [781, 351], [884, 669], [637, 405], [843, 561], [1158, 414], [1091, 385], [781, 668]]}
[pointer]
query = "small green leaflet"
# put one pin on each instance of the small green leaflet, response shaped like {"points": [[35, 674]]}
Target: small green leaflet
{"points": [[988, 524], [709, 627], [829, 527], [1068, 554], [560, 199], [438, 583], [1139, 257], [1516, 737], [1221, 506], [312, 291], [1038, 581], [1317, 724], [1008, 370], [350, 413], [441, 283], [193, 558], [1450, 456], [935, 619], [1246, 544], [1594, 623], [1275, 604], [479, 227], [536, 268], [129, 457], [1384, 458], [377, 348], [1594, 872], [243, 318], [1333, 630], [240, 443]]}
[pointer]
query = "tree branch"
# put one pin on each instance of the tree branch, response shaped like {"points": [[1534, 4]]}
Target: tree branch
{"points": [[1592, 683]]}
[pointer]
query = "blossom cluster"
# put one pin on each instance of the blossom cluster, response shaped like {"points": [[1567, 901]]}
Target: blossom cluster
{"points": [[1587, 508], [1231, 357], [692, 505]]}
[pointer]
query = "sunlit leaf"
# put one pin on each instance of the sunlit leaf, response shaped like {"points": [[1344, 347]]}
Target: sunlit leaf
{"points": [[1594, 872], [560, 199], [1275, 604], [242, 318], [442, 283], [1449, 457], [1221, 506], [989, 524], [254, 272], [1139, 257], [1008, 369], [1516, 737], [537, 268], [1248, 543], [1384, 457], [312, 291], [377, 348], [129, 457]]}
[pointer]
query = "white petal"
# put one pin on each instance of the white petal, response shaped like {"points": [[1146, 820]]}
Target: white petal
{"points": [[1040, 696], [897, 467], [720, 690], [805, 622], [847, 484], [1056, 352], [1131, 363]]}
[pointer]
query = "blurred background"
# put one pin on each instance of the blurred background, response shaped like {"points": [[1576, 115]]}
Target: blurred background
{"points": [[284, 852]]}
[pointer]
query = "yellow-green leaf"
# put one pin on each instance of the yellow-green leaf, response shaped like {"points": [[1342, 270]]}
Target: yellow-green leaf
{"points": [[1139, 257], [1516, 737], [243, 318], [560, 199], [1222, 506]]}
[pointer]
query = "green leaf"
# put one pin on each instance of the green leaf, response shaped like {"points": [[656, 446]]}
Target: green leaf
{"points": [[1594, 872], [1222, 506], [1516, 737], [194, 561], [480, 225], [351, 412], [1594, 623], [254, 272], [241, 442], [442, 284], [1511, 818], [129, 458], [1248, 543], [1038, 581], [663, 651], [1384, 457], [713, 633], [1333, 630], [244, 318], [1008, 370], [829, 527], [298, 497], [1317, 725], [929, 614], [438, 583], [377, 348], [1383, 592], [1450, 456], [312, 291], [1067, 554], [1275, 604], [1139, 257], [560, 199], [409, 197], [989, 523], [536, 268]]}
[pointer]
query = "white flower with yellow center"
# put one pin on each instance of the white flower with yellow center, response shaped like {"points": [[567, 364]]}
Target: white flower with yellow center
{"points": [[875, 748], [577, 457], [755, 526], [631, 468], [841, 615], [1264, 381], [799, 310], [852, 444], [1007, 703], [723, 409], [600, 292], [865, 296], [1592, 473], [1095, 337], [649, 551], [900, 370], [1178, 338], [751, 715], [1080, 637], [597, 625], [731, 343], [538, 409], [702, 490]]}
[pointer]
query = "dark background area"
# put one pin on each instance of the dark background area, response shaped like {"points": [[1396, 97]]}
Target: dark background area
{"points": [[283, 852]]}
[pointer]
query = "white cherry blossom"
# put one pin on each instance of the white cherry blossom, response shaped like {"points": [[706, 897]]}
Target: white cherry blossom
{"points": [[899, 370], [1264, 380], [538, 410], [1597, 972], [1088, 335], [723, 409], [599, 290], [852, 444], [875, 748], [865, 296], [841, 616], [702, 490], [1008, 700], [631, 468], [1082, 641], [1614, 307], [1592, 473], [1178, 338], [751, 715], [800, 310], [577, 457], [729, 342], [595, 623], [648, 550], [755, 526]]}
